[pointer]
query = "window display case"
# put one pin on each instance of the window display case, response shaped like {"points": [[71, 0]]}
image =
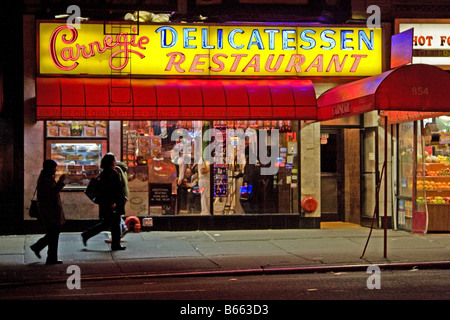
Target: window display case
{"points": [[150, 151], [424, 176], [77, 151], [77, 147], [78, 159], [433, 175]]}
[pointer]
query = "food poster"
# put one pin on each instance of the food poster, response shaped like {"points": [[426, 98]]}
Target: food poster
{"points": [[162, 173], [144, 146], [149, 146], [89, 129], [137, 205], [162, 170], [138, 186]]}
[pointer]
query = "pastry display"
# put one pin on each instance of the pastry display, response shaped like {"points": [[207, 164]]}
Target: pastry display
{"points": [[91, 156], [57, 157], [80, 161], [91, 167], [74, 168], [74, 157], [94, 148], [76, 177]]}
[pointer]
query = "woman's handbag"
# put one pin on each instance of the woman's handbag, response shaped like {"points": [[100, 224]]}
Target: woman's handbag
{"points": [[33, 210]]}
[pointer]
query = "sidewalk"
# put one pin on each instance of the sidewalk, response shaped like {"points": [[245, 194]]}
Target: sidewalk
{"points": [[336, 246]]}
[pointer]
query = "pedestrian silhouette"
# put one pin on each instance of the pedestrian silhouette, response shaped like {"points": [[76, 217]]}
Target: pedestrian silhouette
{"points": [[50, 210], [111, 203]]}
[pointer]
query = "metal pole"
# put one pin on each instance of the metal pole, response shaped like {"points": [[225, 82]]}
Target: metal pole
{"points": [[385, 184], [376, 208]]}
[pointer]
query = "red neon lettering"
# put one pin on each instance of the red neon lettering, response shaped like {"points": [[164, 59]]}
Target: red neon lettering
{"points": [[237, 59], [173, 63], [296, 61], [337, 65], [317, 63], [277, 64], [73, 53], [358, 58], [67, 54], [53, 56], [197, 62], [254, 63], [122, 40], [220, 64]]}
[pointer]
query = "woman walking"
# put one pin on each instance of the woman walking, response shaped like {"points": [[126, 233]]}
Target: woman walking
{"points": [[111, 203], [50, 210]]}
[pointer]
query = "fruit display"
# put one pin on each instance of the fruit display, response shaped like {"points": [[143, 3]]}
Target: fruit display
{"points": [[432, 185], [433, 178], [438, 173], [434, 200], [437, 159], [433, 190]]}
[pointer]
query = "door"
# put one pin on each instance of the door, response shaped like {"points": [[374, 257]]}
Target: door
{"points": [[331, 175], [369, 165]]}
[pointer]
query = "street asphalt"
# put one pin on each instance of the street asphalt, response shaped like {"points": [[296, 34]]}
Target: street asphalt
{"points": [[334, 247]]}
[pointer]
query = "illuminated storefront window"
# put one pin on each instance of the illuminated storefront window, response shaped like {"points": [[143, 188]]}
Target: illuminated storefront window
{"points": [[211, 167]]}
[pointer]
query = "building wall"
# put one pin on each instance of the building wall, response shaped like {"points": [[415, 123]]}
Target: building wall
{"points": [[33, 131], [310, 164], [352, 167], [11, 114], [74, 203]]}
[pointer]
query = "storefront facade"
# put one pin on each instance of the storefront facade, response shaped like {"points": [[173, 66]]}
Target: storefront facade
{"points": [[411, 102], [423, 181], [170, 100]]}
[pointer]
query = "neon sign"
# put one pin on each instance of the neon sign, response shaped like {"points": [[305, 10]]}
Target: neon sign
{"points": [[210, 50], [109, 43]]}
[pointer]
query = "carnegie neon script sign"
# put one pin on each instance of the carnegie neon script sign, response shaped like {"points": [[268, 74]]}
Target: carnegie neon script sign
{"points": [[198, 50]]}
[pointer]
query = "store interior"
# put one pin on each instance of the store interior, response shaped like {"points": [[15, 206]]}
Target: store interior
{"points": [[164, 180]]}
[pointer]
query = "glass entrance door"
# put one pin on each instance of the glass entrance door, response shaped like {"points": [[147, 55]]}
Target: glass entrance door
{"points": [[369, 175], [405, 180], [331, 175]]}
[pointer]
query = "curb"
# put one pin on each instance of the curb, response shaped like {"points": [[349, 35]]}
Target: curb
{"points": [[255, 271]]}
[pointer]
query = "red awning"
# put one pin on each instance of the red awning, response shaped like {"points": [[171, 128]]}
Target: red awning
{"points": [[405, 93], [174, 99]]}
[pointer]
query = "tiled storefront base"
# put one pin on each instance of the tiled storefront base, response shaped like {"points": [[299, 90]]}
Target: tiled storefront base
{"points": [[190, 223]]}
